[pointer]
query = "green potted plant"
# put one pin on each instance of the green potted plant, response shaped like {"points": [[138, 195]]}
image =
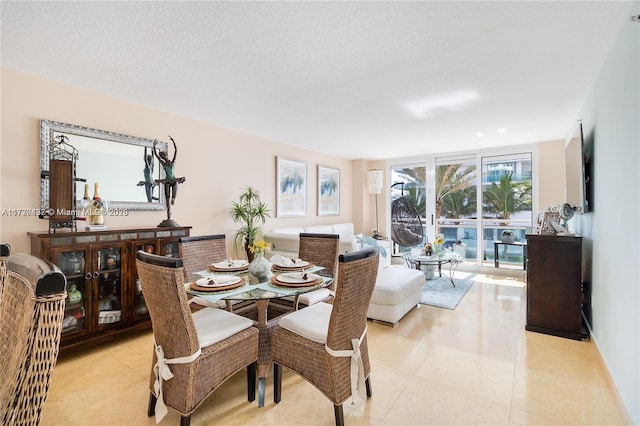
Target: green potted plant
{"points": [[250, 212]]}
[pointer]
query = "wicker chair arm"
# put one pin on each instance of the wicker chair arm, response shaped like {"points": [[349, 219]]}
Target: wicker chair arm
{"points": [[46, 277]]}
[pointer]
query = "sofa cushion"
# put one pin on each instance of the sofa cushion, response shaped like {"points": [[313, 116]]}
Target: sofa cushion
{"points": [[345, 230], [285, 241], [319, 229], [295, 230], [359, 242], [395, 283]]}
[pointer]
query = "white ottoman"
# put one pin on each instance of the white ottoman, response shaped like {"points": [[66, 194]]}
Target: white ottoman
{"points": [[398, 290]]}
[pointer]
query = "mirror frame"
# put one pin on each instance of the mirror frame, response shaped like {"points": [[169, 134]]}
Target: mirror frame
{"points": [[48, 127]]}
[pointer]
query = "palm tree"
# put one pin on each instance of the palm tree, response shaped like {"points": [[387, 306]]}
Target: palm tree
{"points": [[415, 196], [459, 204], [415, 188], [503, 199], [450, 179], [251, 213]]}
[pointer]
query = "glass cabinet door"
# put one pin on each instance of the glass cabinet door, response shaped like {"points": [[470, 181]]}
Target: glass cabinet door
{"points": [[72, 263], [108, 277], [169, 248], [140, 311]]}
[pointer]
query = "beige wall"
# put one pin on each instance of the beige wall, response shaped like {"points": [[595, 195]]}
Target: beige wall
{"points": [[550, 174], [216, 162]]}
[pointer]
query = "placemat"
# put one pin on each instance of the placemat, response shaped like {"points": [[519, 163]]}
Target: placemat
{"points": [[280, 284], [238, 269], [281, 268], [202, 289]]}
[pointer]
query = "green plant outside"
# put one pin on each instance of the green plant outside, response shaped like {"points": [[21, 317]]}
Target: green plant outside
{"points": [[460, 204], [501, 200], [453, 183]]}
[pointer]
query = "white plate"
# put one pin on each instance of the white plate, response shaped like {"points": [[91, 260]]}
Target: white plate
{"points": [[231, 264], [296, 278], [297, 264], [218, 281]]}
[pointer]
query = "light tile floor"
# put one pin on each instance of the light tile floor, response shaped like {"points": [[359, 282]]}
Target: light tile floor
{"points": [[473, 365]]}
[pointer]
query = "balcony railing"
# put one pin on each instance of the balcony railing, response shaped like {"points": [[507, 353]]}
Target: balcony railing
{"points": [[466, 231]]}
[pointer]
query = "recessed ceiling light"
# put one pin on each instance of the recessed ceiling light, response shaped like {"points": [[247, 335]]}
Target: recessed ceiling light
{"points": [[479, 135], [502, 131]]}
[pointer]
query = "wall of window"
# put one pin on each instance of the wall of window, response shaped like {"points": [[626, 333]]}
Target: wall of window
{"points": [[470, 199]]}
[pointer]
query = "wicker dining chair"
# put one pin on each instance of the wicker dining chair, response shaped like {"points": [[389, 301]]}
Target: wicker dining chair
{"points": [[320, 341], [201, 349], [198, 253], [5, 251], [31, 313], [319, 249]]}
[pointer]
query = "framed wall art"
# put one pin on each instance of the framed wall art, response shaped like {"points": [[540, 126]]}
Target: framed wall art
{"points": [[328, 191], [291, 191]]}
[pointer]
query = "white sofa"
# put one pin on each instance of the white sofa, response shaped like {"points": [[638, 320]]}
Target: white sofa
{"points": [[285, 241], [398, 288]]}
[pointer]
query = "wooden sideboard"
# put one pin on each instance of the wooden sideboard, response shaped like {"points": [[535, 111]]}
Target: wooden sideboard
{"points": [[554, 285], [103, 293]]}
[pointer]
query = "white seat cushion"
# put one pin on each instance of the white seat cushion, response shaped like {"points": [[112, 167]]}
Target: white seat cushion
{"points": [[214, 325], [311, 322], [314, 296]]}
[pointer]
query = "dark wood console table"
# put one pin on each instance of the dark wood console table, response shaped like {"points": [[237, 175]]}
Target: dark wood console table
{"points": [[104, 298], [554, 285]]}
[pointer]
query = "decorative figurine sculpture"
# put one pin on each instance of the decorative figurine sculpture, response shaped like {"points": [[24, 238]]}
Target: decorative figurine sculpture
{"points": [[148, 182], [428, 249], [170, 181]]}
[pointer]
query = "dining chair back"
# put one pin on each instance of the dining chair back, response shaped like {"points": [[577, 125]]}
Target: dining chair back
{"points": [[201, 349], [199, 252], [319, 249], [32, 301], [327, 344], [5, 251]]}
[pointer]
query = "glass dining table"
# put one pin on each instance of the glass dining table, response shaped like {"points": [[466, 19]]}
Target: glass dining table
{"points": [[253, 301]]}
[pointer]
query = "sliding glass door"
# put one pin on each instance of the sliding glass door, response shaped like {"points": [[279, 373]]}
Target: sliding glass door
{"points": [[408, 206], [471, 200], [506, 206], [456, 206]]}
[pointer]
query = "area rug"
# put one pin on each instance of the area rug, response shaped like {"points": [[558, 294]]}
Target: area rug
{"points": [[439, 292]]}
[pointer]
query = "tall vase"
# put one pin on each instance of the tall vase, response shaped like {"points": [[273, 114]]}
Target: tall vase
{"points": [[260, 267]]}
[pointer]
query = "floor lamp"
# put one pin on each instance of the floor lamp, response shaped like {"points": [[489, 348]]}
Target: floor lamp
{"points": [[375, 180]]}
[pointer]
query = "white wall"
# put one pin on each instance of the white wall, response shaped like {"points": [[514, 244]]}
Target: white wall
{"points": [[611, 120]]}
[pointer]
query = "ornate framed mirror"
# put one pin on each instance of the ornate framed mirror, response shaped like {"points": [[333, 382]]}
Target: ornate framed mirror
{"points": [[121, 164]]}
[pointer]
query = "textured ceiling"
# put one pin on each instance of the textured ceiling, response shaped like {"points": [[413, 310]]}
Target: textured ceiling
{"points": [[363, 79]]}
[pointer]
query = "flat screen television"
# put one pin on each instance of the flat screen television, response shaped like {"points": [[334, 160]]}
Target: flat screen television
{"points": [[575, 176]]}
